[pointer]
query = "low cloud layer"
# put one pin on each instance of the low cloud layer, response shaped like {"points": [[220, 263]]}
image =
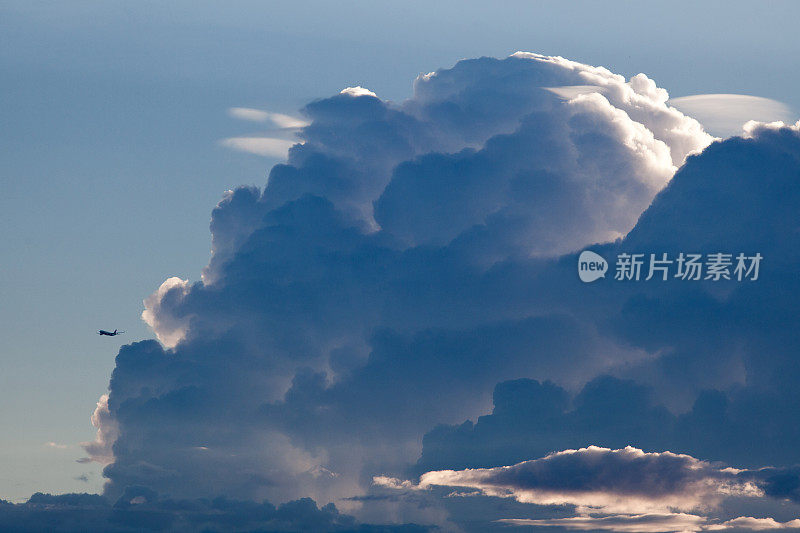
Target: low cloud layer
{"points": [[141, 509], [618, 490], [655, 523], [596, 479]]}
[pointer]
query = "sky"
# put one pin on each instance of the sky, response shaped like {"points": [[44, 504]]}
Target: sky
{"points": [[113, 148]]}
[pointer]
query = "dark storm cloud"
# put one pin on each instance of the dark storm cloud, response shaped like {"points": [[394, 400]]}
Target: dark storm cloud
{"points": [[729, 351], [531, 419]]}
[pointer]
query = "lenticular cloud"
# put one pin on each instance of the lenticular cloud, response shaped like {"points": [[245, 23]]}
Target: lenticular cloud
{"points": [[378, 285]]}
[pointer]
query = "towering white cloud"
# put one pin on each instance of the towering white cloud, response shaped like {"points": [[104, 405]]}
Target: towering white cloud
{"points": [[100, 449], [169, 329]]}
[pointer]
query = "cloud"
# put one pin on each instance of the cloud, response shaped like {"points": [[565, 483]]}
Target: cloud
{"points": [[645, 523], [618, 490], [263, 146], [56, 445], [140, 509], [408, 257], [596, 479], [100, 449], [496, 186], [521, 182], [257, 115], [654, 523], [569, 92], [407, 203], [531, 418], [755, 129], [248, 113], [276, 144], [725, 114], [358, 91], [168, 329], [756, 524]]}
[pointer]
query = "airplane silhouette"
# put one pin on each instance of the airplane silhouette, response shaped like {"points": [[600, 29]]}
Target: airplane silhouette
{"points": [[110, 333]]}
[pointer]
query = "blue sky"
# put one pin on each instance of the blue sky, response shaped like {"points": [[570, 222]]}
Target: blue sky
{"points": [[112, 116]]}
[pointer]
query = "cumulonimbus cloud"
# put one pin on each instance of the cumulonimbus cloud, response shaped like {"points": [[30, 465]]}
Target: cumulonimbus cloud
{"points": [[408, 257]]}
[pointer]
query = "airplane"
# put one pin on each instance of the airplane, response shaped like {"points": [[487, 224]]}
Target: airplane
{"points": [[110, 333]]}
